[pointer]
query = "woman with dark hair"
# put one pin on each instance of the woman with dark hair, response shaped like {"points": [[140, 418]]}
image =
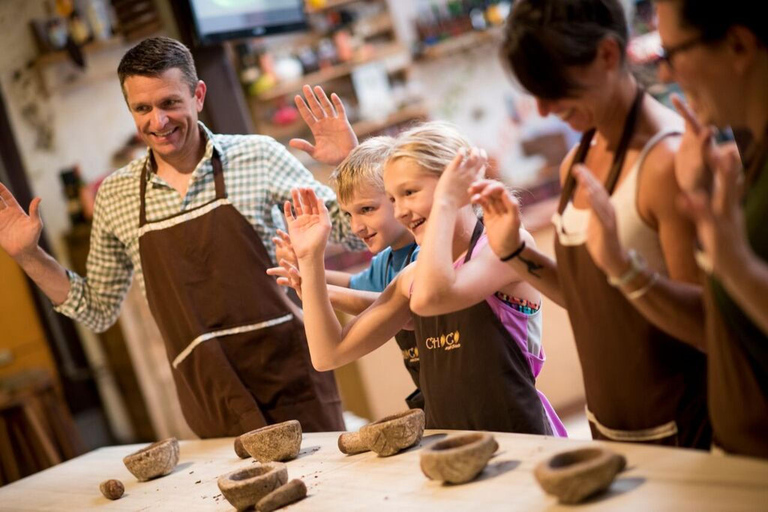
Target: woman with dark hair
{"points": [[719, 56], [642, 384]]}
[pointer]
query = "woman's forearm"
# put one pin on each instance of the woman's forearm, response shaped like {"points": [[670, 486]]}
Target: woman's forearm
{"points": [[540, 271], [673, 306]]}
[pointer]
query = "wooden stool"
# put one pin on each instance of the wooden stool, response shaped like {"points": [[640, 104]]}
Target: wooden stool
{"points": [[36, 429]]}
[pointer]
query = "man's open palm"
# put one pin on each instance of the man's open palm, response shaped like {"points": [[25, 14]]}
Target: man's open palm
{"points": [[19, 232]]}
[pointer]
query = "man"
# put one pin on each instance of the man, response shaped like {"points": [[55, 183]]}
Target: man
{"points": [[193, 220], [718, 53]]}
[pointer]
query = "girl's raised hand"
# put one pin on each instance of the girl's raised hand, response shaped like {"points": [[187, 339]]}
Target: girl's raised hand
{"points": [[466, 168], [308, 223], [501, 215]]}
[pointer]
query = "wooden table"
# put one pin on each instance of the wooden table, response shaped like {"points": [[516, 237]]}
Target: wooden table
{"points": [[657, 479]]}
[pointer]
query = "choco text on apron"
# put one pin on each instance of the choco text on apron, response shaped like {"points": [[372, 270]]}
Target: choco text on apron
{"points": [[238, 352], [473, 374], [642, 385], [736, 346], [406, 340]]}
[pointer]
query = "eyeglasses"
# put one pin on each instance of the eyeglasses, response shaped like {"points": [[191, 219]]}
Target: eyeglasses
{"points": [[666, 54]]}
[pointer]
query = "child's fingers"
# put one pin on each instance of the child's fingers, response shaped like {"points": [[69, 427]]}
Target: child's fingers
{"points": [[277, 271], [288, 211], [285, 236], [304, 111], [297, 206], [314, 105], [302, 145], [324, 102], [340, 110]]}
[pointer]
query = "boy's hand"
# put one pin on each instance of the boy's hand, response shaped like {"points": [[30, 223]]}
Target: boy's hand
{"points": [[501, 215], [310, 226], [287, 275], [284, 248], [334, 137], [465, 169]]}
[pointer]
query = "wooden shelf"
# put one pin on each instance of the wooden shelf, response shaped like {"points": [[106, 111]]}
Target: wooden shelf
{"points": [[409, 113], [47, 59], [461, 43], [330, 4], [361, 128], [328, 74]]}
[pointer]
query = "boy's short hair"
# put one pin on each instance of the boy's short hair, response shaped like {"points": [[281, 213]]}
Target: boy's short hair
{"points": [[363, 166]]}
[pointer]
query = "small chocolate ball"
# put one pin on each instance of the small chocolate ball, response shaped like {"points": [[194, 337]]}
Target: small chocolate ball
{"points": [[240, 449], [112, 489]]}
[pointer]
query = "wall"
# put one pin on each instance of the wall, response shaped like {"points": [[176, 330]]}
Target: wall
{"points": [[85, 112], [87, 120]]}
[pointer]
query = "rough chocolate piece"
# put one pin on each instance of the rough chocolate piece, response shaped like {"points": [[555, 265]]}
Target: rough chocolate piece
{"points": [[291, 492], [351, 443], [245, 487], [458, 458], [575, 475], [157, 459], [278, 442], [394, 433], [240, 449], [112, 489]]}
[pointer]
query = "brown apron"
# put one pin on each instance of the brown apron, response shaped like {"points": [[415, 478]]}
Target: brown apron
{"points": [[473, 374], [737, 347], [406, 340], [642, 385], [238, 352]]}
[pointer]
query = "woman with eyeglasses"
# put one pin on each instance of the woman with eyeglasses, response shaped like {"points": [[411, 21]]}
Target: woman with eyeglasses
{"points": [[718, 53], [642, 384]]}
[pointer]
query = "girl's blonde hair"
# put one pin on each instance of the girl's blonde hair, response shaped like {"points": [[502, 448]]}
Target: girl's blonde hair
{"points": [[431, 145], [362, 167]]}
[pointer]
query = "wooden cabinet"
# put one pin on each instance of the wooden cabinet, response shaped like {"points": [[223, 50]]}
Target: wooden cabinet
{"points": [[22, 339]]}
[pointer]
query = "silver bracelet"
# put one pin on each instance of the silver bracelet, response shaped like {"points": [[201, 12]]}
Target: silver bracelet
{"points": [[637, 265], [636, 294]]}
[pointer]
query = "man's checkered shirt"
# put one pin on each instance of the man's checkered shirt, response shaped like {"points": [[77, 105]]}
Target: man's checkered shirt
{"points": [[258, 173]]}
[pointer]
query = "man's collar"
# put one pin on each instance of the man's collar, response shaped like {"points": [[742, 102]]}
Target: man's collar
{"points": [[203, 167]]}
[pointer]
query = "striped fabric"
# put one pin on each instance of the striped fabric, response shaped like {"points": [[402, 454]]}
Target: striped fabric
{"points": [[259, 174]]}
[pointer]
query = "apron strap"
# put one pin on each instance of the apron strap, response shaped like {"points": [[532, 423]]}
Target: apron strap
{"points": [[218, 179], [143, 190], [618, 159], [476, 233], [218, 175]]}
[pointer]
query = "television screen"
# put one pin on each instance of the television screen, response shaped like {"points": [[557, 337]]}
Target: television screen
{"points": [[218, 20]]}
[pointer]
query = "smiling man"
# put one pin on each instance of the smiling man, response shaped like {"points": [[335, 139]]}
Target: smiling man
{"points": [[194, 220]]}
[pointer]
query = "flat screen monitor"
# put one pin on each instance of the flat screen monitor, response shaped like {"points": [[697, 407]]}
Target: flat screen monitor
{"points": [[219, 20]]}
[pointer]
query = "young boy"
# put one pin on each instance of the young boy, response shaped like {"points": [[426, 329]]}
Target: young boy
{"points": [[359, 187]]}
